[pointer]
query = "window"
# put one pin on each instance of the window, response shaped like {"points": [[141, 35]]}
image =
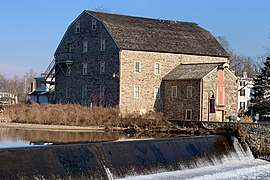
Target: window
{"points": [[157, 93], [188, 114], [85, 46], [174, 91], [242, 83], [102, 67], [102, 91], [78, 28], [136, 91], [189, 91], [157, 68], [102, 44], [137, 67], [242, 92], [84, 91], [68, 72], [67, 92], [94, 24], [242, 106], [38, 84], [84, 68], [69, 47]]}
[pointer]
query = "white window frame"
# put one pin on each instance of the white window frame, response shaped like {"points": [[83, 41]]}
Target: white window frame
{"points": [[84, 91], [186, 115], [157, 68], [102, 67], [189, 91], [94, 24], [156, 92], [137, 90], [243, 92], [78, 27], [102, 44], [85, 47], [84, 68], [102, 91], [174, 92], [137, 66], [242, 105]]}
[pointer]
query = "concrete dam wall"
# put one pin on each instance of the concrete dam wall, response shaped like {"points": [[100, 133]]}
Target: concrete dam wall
{"points": [[109, 160]]}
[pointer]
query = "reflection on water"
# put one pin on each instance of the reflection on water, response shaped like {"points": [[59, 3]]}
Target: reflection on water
{"points": [[10, 137]]}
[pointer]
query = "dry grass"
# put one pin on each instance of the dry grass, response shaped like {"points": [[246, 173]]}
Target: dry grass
{"points": [[78, 115]]}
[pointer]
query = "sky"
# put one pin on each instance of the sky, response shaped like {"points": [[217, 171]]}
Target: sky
{"points": [[32, 29]]}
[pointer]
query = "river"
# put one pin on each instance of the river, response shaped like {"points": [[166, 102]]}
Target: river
{"points": [[240, 165]]}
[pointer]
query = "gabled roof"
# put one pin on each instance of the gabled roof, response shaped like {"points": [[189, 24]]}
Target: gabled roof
{"points": [[145, 34], [190, 71]]}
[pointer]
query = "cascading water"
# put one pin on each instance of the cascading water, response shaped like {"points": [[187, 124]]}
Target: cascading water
{"points": [[204, 157], [238, 164]]}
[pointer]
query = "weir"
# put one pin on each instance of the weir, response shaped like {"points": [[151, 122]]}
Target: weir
{"points": [[118, 159]]}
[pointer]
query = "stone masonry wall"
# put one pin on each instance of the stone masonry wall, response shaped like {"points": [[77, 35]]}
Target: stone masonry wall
{"points": [[175, 107], [147, 80], [93, 79], [230, 94]]}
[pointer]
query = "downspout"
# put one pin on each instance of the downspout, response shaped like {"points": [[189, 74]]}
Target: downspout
{"points": [[201, 99], [120, 76]]}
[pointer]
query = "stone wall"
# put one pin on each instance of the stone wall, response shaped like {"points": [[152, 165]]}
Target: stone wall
{"points": [[147, 79], [93, 57], [175, 107], [256, 135], [230, 94]]}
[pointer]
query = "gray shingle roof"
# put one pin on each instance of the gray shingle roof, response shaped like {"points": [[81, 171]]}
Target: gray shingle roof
{"points": [[137, 33], [190, 71]]}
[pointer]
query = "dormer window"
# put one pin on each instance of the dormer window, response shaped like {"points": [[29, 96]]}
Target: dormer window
{"points": [[78, 28], [94, 24]]}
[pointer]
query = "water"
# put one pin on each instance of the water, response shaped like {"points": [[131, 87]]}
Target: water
{"points": [[250, 169], [12, 138], [239, 164]]}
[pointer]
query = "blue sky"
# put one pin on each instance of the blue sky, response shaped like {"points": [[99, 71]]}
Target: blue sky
{"points": [[32, 29]]}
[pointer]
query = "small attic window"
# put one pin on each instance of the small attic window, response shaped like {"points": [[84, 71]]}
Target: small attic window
{"points": [[78, 28], [94, 24]]}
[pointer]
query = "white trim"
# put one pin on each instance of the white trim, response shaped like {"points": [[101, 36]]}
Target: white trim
{"points": [[189, 89], [94, 24], [102, 44], [137, 95], [84, 69], [102, 67], [157, 93], [172, 91], [69, 27], [135, 62], [85, 47], [159, 68]]}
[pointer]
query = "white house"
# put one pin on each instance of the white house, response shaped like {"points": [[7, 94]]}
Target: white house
{"points": [[244, 92], [41, 92]]}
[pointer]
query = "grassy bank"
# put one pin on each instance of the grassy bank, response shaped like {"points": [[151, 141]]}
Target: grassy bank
{"points": [[77, 115]]}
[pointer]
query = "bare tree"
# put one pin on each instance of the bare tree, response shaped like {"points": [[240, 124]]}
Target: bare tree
{"points": [[238, 63]]}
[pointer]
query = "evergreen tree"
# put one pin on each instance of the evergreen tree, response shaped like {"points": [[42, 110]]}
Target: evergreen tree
{"points": [[261, 91]]}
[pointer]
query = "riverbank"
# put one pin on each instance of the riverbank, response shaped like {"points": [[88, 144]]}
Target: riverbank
{"points": [[52, 127]]}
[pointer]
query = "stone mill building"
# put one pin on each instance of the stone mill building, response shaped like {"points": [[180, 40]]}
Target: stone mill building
{"points": [[141, 64]]}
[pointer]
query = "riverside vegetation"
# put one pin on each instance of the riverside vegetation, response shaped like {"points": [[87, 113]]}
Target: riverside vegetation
{"points": [[79, 115]]}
